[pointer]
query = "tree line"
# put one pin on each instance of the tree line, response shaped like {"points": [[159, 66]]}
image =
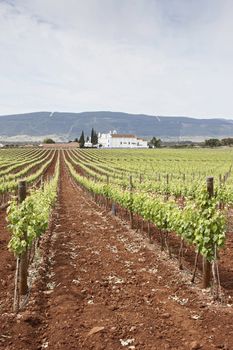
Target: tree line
{"points": [[217, 143], [154, 142], [81, 140], [93, 139]]}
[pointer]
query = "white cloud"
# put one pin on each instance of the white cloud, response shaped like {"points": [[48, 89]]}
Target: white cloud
{"points": [[167, 57]]}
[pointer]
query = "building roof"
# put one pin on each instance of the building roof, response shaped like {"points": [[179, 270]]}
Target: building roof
{"points": [[140, 139], [123, 136]]}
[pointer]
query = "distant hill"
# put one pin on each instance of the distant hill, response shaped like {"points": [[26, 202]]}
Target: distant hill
{"points": [[67, 126]]}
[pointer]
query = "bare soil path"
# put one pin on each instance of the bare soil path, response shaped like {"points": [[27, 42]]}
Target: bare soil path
{"points": [[102, 286]]}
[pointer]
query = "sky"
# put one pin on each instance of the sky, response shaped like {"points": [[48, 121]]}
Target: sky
{"points": [[158, 57]]}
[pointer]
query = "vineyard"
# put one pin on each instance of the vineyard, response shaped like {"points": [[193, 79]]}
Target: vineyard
{"points": [[113, 249]]}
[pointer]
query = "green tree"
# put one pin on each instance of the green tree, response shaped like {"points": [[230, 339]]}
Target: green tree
{"points": [[94, 137], [82, 140], [48, 140], [95, 141], [155, 143], [213, 143], [227, 142]]}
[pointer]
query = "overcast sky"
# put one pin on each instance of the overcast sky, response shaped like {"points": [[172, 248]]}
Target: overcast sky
{"points": [[159, 57]]}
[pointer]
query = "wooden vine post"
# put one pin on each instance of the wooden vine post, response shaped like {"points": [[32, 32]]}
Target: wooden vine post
{"points": [[113, 209], [131, 200], [107, 200], [140, 178], [167, 183], [23, 262], [206, 263], [220, 179]]}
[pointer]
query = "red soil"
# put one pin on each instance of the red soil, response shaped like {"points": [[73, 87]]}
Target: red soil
{"points": [[96, 272]]}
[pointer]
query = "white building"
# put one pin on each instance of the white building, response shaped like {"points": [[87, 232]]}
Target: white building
{"points": [[88, 144], [114, 140]]}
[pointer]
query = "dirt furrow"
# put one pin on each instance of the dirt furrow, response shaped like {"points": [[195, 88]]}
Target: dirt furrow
{"points": [[102, 286]]}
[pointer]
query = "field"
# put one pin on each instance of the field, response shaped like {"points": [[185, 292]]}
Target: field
{"points": [[120, 244]]}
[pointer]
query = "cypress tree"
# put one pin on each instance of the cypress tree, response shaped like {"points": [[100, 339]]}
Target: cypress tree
{"points": [[82, 140], [92, 135], [95, 138]]}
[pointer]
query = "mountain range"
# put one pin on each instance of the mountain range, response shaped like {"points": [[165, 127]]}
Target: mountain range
{"points": [[67, 126]]}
